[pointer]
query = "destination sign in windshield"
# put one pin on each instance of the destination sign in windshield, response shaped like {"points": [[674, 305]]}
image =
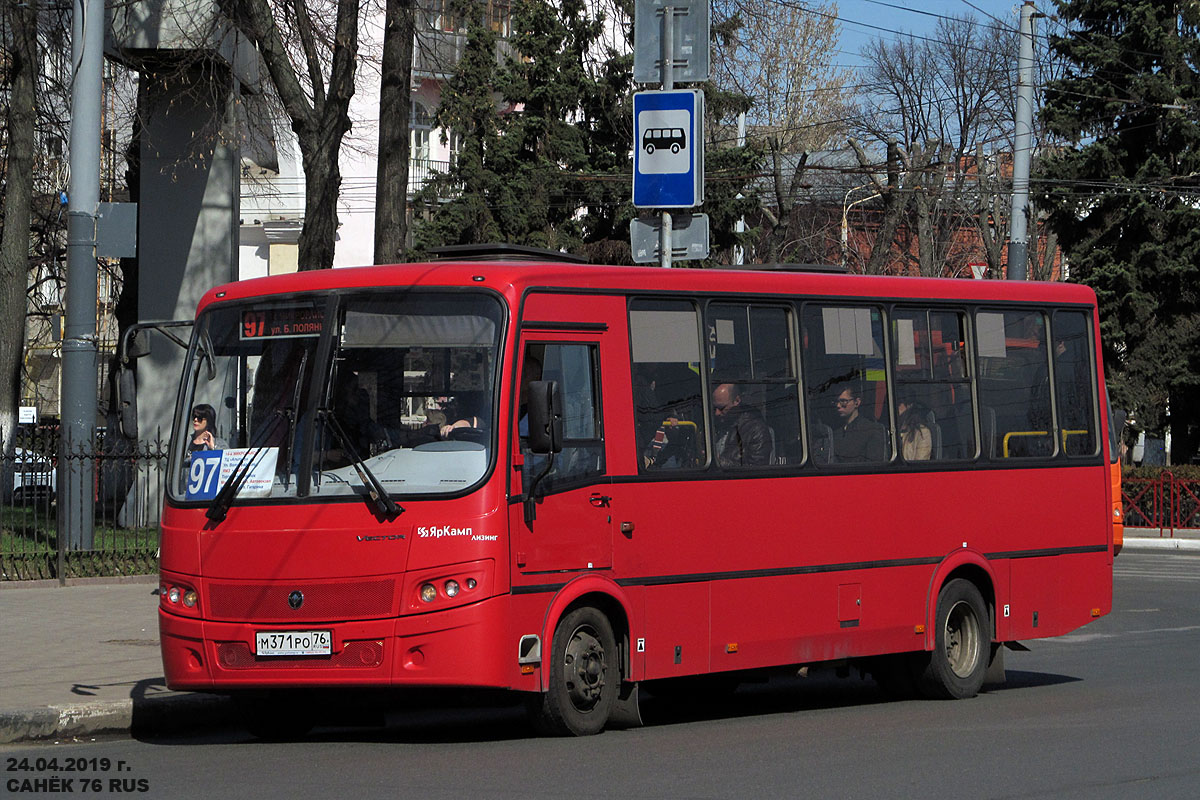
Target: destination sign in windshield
{"points": [[282, 323]]}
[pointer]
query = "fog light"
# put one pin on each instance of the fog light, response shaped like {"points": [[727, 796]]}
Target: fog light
{"points": [[451, 588], [173, 594], [428, 592], [189, 598], [471, 584]]}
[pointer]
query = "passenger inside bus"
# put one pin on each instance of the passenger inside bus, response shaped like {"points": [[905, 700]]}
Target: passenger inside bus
{"points": [[742, 437], [856, 438], [204, 430], [674, 417], [916, 429]]}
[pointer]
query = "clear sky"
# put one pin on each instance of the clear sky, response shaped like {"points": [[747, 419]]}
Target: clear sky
{"points": [[864, 20]]}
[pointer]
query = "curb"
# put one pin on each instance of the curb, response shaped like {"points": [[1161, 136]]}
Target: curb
{"points": [[1165, 543], [184, 712]]}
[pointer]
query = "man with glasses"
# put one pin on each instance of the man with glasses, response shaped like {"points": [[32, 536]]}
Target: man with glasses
{"points": [[856, 438]]}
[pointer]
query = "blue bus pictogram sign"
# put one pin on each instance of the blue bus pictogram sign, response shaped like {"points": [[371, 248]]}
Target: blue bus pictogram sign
{"points": [[668, 160]]}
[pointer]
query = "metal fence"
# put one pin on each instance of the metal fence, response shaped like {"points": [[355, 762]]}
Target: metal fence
{"points": [[127, 487], [1166, 502]]}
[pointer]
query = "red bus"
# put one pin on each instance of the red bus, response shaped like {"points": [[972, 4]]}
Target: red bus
{"points": [[569, 480]]}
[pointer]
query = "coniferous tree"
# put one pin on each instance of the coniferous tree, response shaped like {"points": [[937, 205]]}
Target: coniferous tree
{"points": [[545, 139], [1124, 197], [530, 132]]}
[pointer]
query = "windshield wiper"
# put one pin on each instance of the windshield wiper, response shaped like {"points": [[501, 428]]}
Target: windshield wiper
{"points": [[219, 507], [387, 507]]}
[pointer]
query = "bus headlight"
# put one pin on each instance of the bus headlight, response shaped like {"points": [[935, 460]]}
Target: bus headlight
{"points": [[173, 594], [189, 598], [439, 588]]}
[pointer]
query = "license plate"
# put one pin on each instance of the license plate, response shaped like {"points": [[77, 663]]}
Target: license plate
{"points": [[293, 643]]}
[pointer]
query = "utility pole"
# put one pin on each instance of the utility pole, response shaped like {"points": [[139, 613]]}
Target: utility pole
{"points": [[668, 83], [1018, 223], [76, 503], [739, 252]]}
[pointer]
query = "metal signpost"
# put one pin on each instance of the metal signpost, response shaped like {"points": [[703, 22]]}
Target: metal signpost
{"points": [[670, 43], [689, 238]]}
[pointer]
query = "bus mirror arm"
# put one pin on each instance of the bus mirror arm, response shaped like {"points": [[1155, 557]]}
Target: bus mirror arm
{"points": [[534, 495], [545, 403]]}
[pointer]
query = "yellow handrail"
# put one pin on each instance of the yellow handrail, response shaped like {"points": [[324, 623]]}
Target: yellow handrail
{"points": [[1065, 434], [1012, 434]]}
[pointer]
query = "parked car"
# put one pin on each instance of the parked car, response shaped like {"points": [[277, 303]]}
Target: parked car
{"points": [[28, 476]]}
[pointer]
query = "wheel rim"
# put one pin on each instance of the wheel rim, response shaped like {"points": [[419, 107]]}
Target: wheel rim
{"points": [[584, 668], [962, 639]]}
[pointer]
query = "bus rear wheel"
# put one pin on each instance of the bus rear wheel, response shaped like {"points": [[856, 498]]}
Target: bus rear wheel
{"points": [[583, 676], [962, 643]]}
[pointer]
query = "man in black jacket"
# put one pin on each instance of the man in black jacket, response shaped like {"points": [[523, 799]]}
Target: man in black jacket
{"points": [[743, 439], [857, 438]]}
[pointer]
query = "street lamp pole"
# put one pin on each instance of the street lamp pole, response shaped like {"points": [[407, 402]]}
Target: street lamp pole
{"points": [[846, 206], [76, 499]]}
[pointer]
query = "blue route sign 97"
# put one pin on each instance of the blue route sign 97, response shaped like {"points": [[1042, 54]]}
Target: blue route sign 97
{"points": [[668, 158]]}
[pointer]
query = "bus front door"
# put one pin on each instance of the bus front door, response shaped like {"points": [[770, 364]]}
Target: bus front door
{"points": [[573, 524]]}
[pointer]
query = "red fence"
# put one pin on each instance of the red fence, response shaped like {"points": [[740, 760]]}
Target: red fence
{"points": [[1167, 503]]}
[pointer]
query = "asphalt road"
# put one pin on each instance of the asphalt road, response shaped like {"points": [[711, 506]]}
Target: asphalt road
{"points": [[1110, 711]]}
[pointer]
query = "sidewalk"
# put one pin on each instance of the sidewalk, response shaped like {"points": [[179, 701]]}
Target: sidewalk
{"points": [[83, 659]]}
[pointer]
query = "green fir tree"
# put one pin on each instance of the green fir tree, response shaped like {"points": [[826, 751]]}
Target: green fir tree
{"points": [[546, 136], [539, 160], [1125, 196]]}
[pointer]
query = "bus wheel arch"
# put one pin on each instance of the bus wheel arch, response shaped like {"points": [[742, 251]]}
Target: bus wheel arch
{"points": [[965, 566], [963, 626], [602, 595], [582, 672]]}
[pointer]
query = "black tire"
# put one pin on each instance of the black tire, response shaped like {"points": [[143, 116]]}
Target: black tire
{"points": [[962, 643], [275, 716], [649, 149], [583, 677], [674, 148]]}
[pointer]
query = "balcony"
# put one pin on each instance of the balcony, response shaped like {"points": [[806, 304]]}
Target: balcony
{"points": [[420, 170]]}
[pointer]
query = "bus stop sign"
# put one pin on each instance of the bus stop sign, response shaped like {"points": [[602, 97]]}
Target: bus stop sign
{"points": [[668, 152]]}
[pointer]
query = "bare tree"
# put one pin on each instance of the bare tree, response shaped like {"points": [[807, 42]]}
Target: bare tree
{"points": [[20, 44], [310, 50], [781, 56], [942, 101]]}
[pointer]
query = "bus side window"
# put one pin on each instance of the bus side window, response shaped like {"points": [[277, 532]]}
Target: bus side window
{"points": [[1074, 379], [1014, 383], [574, 367], [750, 348], [934, 419], [845, 383], [668, 389]]}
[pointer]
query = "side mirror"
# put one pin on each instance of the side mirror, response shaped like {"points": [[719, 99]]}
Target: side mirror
{"points": [[127, 401], [139, 346], [544, 403]]}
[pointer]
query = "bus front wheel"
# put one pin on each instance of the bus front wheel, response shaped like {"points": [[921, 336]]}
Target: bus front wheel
{"points": [[583, 676], [962, 643]]}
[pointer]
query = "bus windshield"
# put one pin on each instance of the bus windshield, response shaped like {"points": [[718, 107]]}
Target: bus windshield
{"points": [[306, 397]]}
